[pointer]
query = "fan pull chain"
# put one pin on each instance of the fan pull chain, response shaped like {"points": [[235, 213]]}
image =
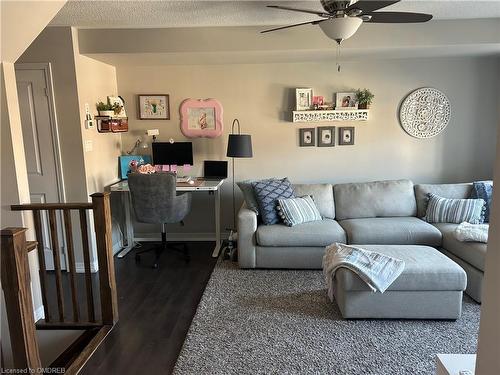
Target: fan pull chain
{"points": [[338, 58]]}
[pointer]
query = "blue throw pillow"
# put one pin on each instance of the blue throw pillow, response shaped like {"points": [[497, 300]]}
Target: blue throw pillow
{"points": [[267, 192], [483, 190]]}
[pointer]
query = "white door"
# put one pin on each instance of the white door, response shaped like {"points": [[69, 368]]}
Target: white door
{"points": [[40, 145]]}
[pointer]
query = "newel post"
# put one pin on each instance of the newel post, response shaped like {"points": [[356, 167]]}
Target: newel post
{"points": [[107, 282], [16, 285]]}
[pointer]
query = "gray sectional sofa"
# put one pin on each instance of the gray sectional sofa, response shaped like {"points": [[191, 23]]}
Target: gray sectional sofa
{"points": [[373, 213]]}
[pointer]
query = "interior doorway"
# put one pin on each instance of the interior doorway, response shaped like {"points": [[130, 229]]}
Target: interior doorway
{"points": [[41, 146]]}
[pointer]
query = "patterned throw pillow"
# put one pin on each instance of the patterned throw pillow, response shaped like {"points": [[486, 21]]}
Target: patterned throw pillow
{"points": [[267, 192], [300, 210], [483, 190], [444, 210]]}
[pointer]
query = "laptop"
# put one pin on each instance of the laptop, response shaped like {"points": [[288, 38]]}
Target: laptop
{"points": [[214, 170]]}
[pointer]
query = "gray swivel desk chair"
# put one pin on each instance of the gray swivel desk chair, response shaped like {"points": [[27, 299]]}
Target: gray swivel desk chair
{"points": [[155, 201]]}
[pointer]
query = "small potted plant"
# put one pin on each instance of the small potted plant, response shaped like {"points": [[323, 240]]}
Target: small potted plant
{"points": [[364, 98], [106, 109]]}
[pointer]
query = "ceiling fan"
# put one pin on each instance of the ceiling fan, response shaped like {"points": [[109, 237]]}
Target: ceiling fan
{"points": [[341, 19]]}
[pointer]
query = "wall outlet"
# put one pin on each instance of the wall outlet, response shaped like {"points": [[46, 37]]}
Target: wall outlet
{"points": [[89, 124], [89, 145]]}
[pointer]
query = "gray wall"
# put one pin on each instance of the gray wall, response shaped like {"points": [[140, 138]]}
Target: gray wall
{"points": [[262, 95]]}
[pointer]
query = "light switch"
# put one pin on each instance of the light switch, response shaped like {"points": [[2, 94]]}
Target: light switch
{"points": [[88, 145]]}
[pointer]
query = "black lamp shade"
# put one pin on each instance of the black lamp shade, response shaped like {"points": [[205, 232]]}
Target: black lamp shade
{"points": [[239, 146]]}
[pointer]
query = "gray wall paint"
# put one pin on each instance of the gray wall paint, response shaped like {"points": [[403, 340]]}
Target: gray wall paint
{"points": [[261, 96]]}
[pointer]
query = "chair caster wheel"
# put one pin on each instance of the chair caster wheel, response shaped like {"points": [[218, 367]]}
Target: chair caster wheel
{"points": [[137, 258]]}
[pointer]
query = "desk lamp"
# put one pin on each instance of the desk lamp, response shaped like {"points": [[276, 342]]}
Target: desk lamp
{"points": [[238, 146]]}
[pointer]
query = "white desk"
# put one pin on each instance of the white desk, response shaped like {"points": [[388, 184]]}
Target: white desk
{"points": [[210, 186]]}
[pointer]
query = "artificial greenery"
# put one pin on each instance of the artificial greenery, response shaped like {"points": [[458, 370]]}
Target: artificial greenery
{"points": [[364, 96], [101, 106]]}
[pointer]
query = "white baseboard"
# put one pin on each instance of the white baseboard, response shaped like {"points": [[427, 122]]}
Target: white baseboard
{"points": [[80, 267], [179, 236], [39, 313]]}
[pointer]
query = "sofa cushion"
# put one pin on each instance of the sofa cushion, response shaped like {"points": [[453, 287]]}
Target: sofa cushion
{"points": [[375, 199], [473, 253], [425, 269], [456, 191], [391, 231], [315, 233], [267, 193], [322, 195], [249, 195]]}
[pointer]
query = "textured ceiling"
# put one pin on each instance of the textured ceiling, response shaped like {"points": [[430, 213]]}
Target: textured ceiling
{"points": [[188, 13]]}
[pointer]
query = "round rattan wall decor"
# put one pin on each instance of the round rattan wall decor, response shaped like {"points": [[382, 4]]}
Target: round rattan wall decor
{"points": [[425, 113]]}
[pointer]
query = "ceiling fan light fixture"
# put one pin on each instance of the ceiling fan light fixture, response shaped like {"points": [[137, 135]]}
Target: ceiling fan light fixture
{"points": [[340, 29]]}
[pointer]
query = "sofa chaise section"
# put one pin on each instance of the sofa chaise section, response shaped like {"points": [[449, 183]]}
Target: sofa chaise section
{"points": [[469, 255]]}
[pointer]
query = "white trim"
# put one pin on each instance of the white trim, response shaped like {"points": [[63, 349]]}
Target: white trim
{"points": [[39, 313], [179, 236], [80, 267]]}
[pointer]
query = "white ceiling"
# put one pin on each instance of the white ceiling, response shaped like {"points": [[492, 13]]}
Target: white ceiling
{"points": [[189, 13]]}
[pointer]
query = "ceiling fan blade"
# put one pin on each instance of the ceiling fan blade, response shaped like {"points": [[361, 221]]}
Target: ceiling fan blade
{"points": [[370, 6], [318, 13], [287, 27], [399, 17]]}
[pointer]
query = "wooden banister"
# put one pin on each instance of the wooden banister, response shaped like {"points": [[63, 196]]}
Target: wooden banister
{"points": [[51, 206], [15, 279], [107, 282], [17, 291]]}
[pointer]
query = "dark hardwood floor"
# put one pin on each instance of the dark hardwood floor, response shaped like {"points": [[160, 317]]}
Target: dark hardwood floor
{"points": [[156, 308]]}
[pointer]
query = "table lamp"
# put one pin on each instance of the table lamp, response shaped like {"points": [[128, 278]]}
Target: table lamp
{"points": [[238, 146]]}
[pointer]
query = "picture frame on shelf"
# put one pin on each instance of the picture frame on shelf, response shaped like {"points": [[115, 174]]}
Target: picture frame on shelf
{"points": [[307, 137], [346, 136], [346, 101], [326, 136], [303, 99], [153, 107]]}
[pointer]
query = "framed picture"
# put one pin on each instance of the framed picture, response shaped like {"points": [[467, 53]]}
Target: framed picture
{"points": [[307, 137], [121, 103], [318, 101], [125, 163], [346, 101], [201, 118], [346, 136], [326, 136], [303, 99], [154, 107]]}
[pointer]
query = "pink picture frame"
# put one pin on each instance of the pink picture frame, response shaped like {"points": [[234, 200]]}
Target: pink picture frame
{"points": [[201, 118]]}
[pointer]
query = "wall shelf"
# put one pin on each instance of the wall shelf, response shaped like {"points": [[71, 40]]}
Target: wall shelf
{"points": [[333, 115]]}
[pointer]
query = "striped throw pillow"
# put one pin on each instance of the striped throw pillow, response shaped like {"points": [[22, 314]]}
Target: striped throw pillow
{"points": [[299, 210], [444, 210]]}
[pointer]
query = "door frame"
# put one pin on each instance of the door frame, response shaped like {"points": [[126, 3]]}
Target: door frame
{"points": [[47, 68]]}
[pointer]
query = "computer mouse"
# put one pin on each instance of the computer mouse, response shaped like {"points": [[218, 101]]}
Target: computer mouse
{"points": [[191, 182]]}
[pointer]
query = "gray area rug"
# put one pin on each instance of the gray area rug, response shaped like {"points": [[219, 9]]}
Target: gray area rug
{"points": [[281, 322]]}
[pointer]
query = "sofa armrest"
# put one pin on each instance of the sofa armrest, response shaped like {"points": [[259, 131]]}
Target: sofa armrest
{"points": [[247, 226]]}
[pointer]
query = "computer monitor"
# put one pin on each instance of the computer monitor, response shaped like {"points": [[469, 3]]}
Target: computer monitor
{"points": [[177, 153]]}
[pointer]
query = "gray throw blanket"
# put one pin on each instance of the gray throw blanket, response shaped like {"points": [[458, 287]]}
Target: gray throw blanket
{"points": [[377, 270]]}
